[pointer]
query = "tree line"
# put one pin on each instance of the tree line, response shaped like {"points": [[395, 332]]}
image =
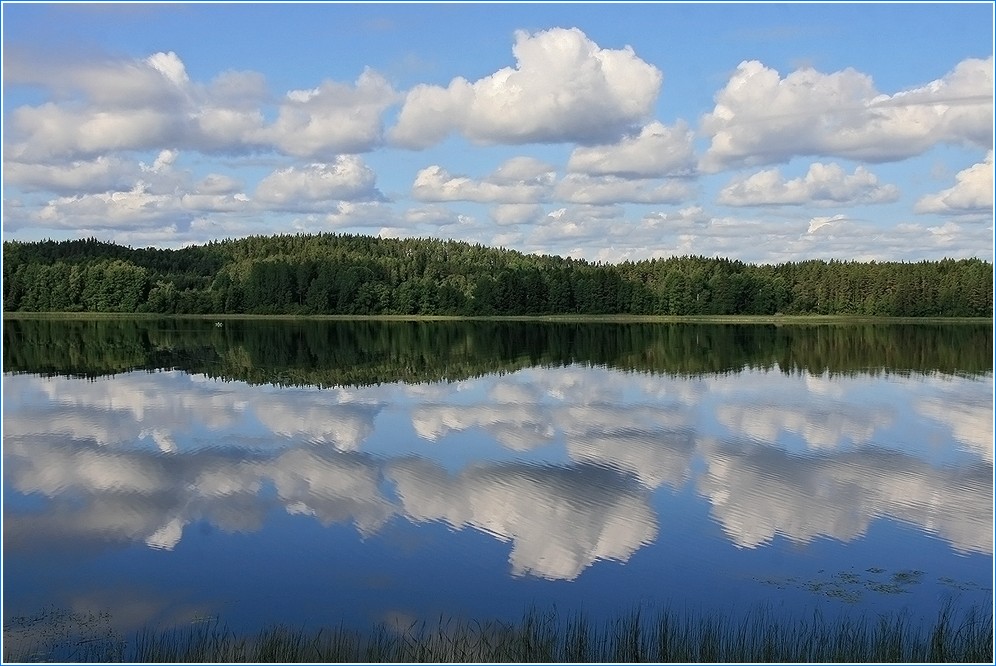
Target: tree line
{"points": [[362, 275], [355, 353]]}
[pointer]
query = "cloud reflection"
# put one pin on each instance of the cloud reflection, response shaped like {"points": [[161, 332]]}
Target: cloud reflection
{"points": [[967, 412], [343, 426], [822, 426], [139, 457], [759, 492], [560, 520]]}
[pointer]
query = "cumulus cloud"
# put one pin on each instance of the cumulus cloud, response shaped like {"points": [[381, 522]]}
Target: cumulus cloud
{"points": [[511, 214], [576, 223], [159, 196], [218, 183], [52, 131], [321, 216], [657, 151], [564, 87], [432, 216], [100, 174], [332, 118], [762, 118], [520, 180], [156, 80], [971, 193], [348, 178], [127, 105], [602, 190], [135, 208], [828, 223], [823, 185]]}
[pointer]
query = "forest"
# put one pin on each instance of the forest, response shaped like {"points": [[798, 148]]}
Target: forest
{"points": [[343, 274]]}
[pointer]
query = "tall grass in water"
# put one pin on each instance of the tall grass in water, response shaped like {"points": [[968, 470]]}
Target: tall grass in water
{"points": [[640, 636]]}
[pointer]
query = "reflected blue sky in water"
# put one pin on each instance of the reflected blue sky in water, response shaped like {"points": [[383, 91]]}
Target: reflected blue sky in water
{"points": [[168, 494]]}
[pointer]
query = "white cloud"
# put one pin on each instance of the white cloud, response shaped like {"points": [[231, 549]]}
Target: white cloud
{"points": [[363, 214], [51, 131], [157, 80], [215, 128], [238, 90], [823, 185], [332, 118], [304, 188], [685, 219], [511, 214], [145, 104], [527, 170], [164, 162], [564, 87], [160, 197], [215, 203], [433, 216], [761, 118], [575, 223], [218, 183], [602, 190], [137, 207], [825, 222], [521, 180], [170, 66], [657, 151], [971, 193], [79, 176]]}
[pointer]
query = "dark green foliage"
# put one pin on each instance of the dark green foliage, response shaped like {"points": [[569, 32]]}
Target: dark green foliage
{"points": [[361, 275]]}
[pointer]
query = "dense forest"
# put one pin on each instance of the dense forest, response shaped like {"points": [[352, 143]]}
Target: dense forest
{"points": [[350, 353], [362, 275]]}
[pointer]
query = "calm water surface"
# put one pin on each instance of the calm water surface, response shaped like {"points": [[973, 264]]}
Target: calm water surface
{"points": [[320, 473]]}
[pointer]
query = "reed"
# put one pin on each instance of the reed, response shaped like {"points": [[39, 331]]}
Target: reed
{"points": [[643, 635]]}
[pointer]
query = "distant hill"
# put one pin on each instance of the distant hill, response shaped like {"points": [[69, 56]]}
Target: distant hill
{"points": [[353, 274]]}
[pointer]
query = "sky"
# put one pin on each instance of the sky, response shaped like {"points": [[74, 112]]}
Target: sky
{"points": [[610, 132]]}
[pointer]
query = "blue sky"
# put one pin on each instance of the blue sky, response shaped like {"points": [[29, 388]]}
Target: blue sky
{"points": [[761, 132]]}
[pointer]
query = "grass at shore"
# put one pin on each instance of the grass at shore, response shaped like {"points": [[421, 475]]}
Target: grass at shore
{"points": [[640, 636]]}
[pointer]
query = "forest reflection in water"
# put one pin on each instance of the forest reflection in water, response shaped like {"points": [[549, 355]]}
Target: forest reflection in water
{"points": [[699, 484]]}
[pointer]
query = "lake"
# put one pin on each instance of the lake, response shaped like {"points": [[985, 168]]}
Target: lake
{"points": [[168, 471]]}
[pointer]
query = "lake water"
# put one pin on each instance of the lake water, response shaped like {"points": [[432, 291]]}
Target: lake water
{"points": [[310, 473]]}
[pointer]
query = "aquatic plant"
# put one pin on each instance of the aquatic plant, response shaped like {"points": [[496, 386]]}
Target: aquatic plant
{"points": [[664, 636]]}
